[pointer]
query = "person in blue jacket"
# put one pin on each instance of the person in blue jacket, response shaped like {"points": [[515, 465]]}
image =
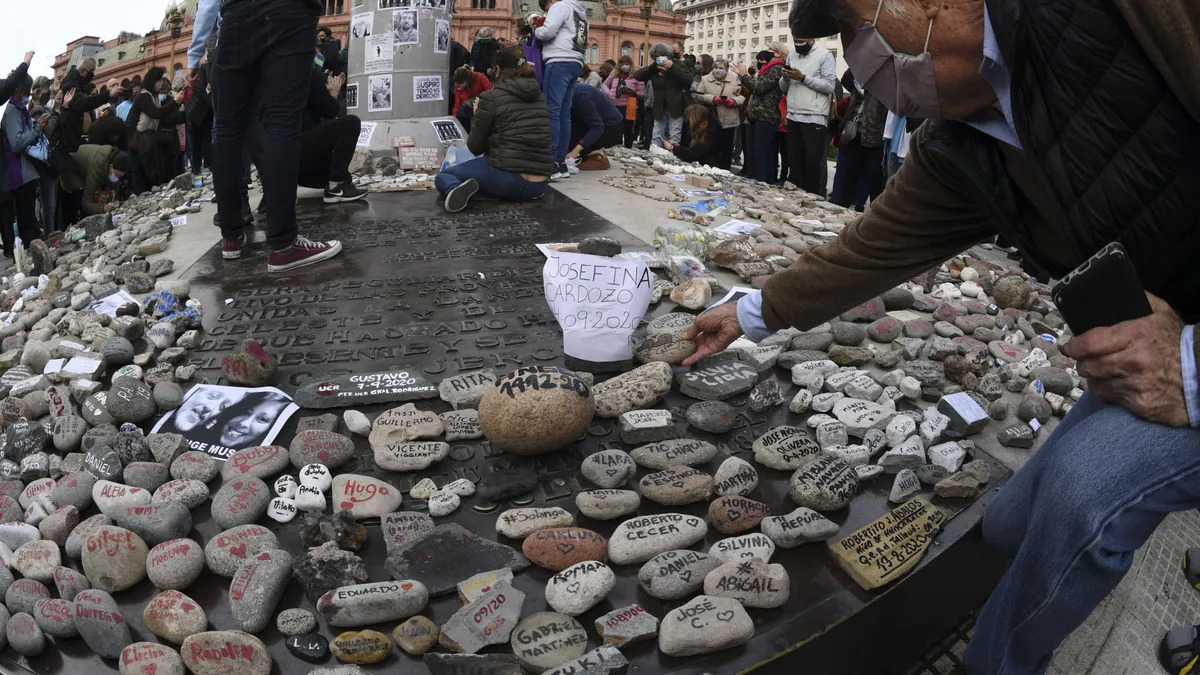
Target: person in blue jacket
{"points": [[595, 124]]}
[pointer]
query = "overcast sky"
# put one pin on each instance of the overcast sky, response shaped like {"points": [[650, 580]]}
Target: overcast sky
{"points": [[47, 27]]}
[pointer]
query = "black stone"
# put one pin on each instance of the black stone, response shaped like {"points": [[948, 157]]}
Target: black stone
{"points": [[324, 568], [104, 463], [715, 417], [508, 483], [472, 664], [9, 469], [131, 445], [1016, 436], [340, 528], [348, 391], [25, 438], [718, 381], [604, 246], [311, 647], [449, 554]]}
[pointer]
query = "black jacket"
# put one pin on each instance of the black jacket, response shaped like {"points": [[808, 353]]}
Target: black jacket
{"points": [[483, 54], [321, 106], [671, 87], [72, 117], [511, 127], [198, 107]]}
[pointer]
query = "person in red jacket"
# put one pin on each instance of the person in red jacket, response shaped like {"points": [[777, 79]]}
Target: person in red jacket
{"points": [[468, 85]]}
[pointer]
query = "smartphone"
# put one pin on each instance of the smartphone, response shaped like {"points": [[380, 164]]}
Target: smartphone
{"points": [[1104, 291]]}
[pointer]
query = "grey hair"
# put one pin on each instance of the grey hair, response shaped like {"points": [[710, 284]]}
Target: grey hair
{"points": [[779, 48], [720, 61], [661, 49], [486, 31], [897, 9], [88, 64]]}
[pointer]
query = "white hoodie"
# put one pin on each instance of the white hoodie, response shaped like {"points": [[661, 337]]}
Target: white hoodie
{"points": [[565, 21]]}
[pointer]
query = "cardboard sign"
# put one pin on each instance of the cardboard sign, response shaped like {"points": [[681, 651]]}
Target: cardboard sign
{"points": [[403, 142], [420, 158], [888, 547], [598, 302]]}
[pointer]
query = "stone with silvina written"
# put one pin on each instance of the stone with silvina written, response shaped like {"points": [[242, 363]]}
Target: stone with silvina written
{"points": [[889, 546]]}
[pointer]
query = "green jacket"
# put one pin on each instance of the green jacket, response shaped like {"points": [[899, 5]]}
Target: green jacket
{"points": [[765, 93], [90, 174], [511, 128]]}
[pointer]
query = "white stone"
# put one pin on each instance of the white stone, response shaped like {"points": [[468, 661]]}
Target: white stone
{"points": [[285, 486], [316, 475], [971, 289], [580, 587], [900, 428], [753, 545], [910, 387], [933, 426], [357, 422], [867, 472], [854, 455], [968, 274], [443, 503], [735, 476], [801, 526], [752, 582], [309, 498], [463, 487], [949, 456], [520, 523], [423, 490], [908, 455], [906, 485], [281, 510]]}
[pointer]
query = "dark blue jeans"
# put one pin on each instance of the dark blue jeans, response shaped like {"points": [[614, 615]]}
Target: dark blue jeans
{"points": [[558, 82], [263, 58], [493, 182], [766, 152]]}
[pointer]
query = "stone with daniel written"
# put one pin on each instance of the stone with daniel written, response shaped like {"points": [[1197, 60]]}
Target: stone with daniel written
{"points": [[889, 547]]}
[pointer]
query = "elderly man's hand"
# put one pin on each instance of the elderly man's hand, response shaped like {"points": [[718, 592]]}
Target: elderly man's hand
{"points": [[713, 331], [1135, 364]]}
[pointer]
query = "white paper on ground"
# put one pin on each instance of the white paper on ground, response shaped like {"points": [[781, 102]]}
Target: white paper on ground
{"points": [[598, 302], [736, 293], [109, 304], [735, 226]]}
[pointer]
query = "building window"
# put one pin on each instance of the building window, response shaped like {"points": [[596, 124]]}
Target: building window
{"points": [[589, 10], [641, 55], [99, 62], [627, 49], [595, 54], [769, 25]]}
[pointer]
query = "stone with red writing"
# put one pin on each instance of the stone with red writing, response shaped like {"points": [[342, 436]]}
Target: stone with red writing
{"points": [[401, 529], [580, 587], [262, 461], [150, 658], [489, 620], [191, 493], [24, 635], [58, 525], [547, 639], [79, 535], [227, 551], [558, 548], [69, 583], [317, 446], [37, 560], [56, 617], [74, 488], [114, 558], [194, 465], [363, 496], [364, 604], [22, 595], [257, 587], [627, 625], [175, 564], [240, 502], [101, 624], [156, 523], [146, 475], [34, 489], [250, 366], [113, 498], [225, 652]]}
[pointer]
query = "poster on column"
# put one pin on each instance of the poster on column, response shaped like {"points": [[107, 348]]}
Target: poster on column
{"points": [[598, 302], [441, 37], [352, 96], [427, 88], [378, 53], [404, 27], [380, 94], [360, 25]]}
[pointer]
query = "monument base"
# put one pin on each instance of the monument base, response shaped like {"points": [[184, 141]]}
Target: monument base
{"points": [[414, 137]]}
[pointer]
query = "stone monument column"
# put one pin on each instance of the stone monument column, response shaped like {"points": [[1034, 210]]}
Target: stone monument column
{"points": [[398, 75]]}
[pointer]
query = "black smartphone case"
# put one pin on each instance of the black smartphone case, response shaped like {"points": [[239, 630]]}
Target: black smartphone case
{"points": [[1103, 291]]}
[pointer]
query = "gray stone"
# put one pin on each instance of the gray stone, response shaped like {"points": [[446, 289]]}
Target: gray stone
{"points": [[825, 484], [117, 351], [240, 502], [930, 474], [194, 465], [905, 485], [602, 246], [462, 425], [735, 476], [257, 587], [146, 475], [752, 582], [175, 564], [190, 493], [156, 523], [624, 626], [74, 489], [1034, 407], [24, 635], [682, 452], [703, 625], [579, 587], [675, 574], [785, 448], [646, 426], [607, 504], [712, 416], [130, 400], [635, 389], [608, 468], [845, 333], [639, 539], [296, 621], [464, 390], [676, 486], [261, 462], [166, 447], [717, 381], [167, 395], [671, 325], [1016, 436], [79, 535], [100, 624], [225, 552], [813, 341], [801, 526], [67, 432]]}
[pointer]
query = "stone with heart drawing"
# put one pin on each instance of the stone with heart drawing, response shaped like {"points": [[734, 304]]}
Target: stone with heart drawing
{"points": [[735, 476], [363, 496], [150, 658], [173, 616], [56, 617], [225, 652], [754, 545], [317, 446], [226, 552], [733, 514], [257, 587], [240, 502], [607, 504], [703, 625], [558, 548], [675, 574], [580, 587], [677, 486], [100, 623], [261, 462], [608, 468], [113, 498], [639, 539], [114, 558], [380, 602], [175, 564]]}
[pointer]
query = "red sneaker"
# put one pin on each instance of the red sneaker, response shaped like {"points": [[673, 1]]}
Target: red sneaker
{"points": [[231, 249], [302, 252]]}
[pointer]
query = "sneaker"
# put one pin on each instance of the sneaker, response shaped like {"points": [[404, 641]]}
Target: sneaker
{"points": [[345, 192], [231, 249], [561, 173], [457, 198], [302, 252]]}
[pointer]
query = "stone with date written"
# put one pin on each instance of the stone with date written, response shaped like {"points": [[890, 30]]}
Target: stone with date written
{"points": [[703, 625], [347, 391], [462, 425], [449, 554], [490, 620], [536, 410]]}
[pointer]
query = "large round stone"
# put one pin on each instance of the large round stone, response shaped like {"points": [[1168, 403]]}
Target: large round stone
{"points": [[535, 410]]}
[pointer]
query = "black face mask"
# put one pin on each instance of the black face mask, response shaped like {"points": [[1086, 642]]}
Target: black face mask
{"points": [[803, 48]]}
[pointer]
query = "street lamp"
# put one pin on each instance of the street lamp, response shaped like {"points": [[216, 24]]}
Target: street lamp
{"points": [[647, 12], [174, 20]]}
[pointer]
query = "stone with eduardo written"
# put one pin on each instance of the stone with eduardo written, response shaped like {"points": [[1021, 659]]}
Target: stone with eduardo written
{"points": [[114, 558], [309, 646], [558, 548], [190, 493], [735, 476], [56, 617], [257, 587], [785, 448], [470, 589], [678, 452], [604, 660], [363, 496], [100, 623], [226, 552], [580, 587], [703, 625], [173, 616], [175, 564], [825, 484], [752, 582], [608, 468], [410, 456], [535, 410], [637, 388], [607, 504], [346, 391], [322, 447], [908, 455], [801, 526], [520, 523], [462, 425], [295, 621], [24, 635], [195, 465], [363, 646], [316, 476], [744, 547], [627, 625], [447, 555], [23, 594], [548, 639], [79, 535], [156, 523], [68, 582], [639, 539], [718, 381], [489, 620], [260, 462], [677, 486], [646, 426], [464, 391], [282, 510], [873, 559], [734, 514], [380, 602], [150, 658], [715, 417], [36, 560], [860, 416], [225, 652], [403, 528], [240, 502]]}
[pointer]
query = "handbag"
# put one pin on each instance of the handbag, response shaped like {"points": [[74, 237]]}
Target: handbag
{"points": [[851, 124], [40, 150]]}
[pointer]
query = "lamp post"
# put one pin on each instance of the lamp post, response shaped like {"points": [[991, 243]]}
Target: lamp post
{"points": [[175, 24], [647, 12]]}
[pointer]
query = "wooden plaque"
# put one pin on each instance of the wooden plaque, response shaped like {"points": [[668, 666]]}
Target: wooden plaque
{"points": [[889, 546]]}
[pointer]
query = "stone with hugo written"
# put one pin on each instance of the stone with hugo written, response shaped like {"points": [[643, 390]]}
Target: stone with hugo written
{"points": [[676, 486], [364, 647], [175, 564], [317, 446], [416, 636], [520, 523], [639, 539], [580, 587], [703, 625], [558, 548], [547, 639], [608, 468], [379, 602], [114, 558], [225, 652], [173, 616], [891, 545], [410, 456], [100, 623], [752, 582], [470, 589], [626, 625], [607, 504], [226, 552], [150, 658], [447, 555], [363, 496], [403, 528], [489, 620], [785, 448], [344, 391], [734, 514], [240, 502], [257, 587], [260, 462], [674, 453]]}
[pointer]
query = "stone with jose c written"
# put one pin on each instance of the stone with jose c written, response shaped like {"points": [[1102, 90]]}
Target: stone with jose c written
{"points": [[347, 391]]}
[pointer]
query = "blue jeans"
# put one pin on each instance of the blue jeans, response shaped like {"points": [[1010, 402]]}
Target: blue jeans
{"points": [[766, 152], [558, 81], [668, 128], [493, 182], [1071, 520]]}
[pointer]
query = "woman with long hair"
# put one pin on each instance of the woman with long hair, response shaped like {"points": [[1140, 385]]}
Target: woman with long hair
{"points": [[704, 133], [626, 93]]}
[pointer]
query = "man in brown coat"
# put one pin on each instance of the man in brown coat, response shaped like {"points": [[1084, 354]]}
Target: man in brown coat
{"points": [[1064, 126]]}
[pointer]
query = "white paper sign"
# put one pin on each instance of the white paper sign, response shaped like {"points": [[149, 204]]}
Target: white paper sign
{"points": [[178, 220], [377, 57], [427, 88], [53, 366], [676, 177], [360, 25], [738, 227], [598, 302], [365, 132], [109, 304]]}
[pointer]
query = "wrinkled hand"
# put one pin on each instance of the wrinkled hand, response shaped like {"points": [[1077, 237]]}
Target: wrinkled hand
{"points": [[1135, 364], [713, 331], [28, 57], [666, 65]]}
